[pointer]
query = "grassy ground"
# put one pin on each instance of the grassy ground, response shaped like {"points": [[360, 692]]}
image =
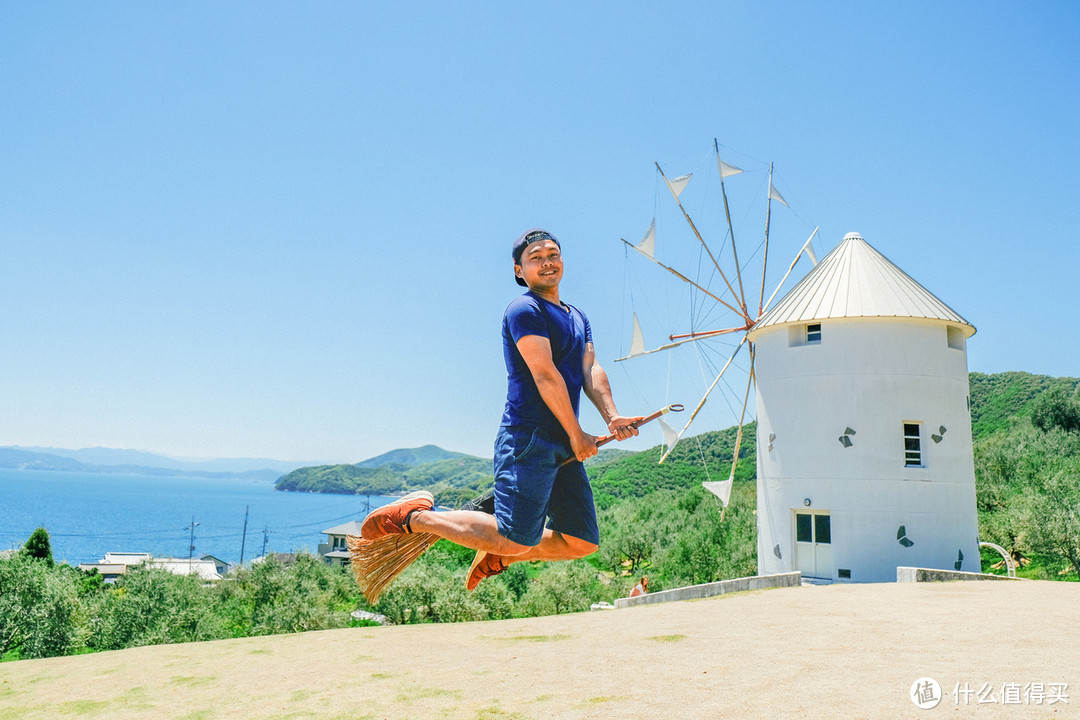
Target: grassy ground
{"points": [[833, 651], [1035, 567]]}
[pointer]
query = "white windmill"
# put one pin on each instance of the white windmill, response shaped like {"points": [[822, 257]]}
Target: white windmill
{"points": [[864, 425], [864, 434]]}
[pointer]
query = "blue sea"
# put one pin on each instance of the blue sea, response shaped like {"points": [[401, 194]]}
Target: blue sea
{"points": [[89, 514]]}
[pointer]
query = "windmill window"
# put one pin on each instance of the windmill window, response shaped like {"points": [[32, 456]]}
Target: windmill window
{"points": [[804, 529], [822, 529], [809, 334], [912, 445], [813, 527], [955, 337]]}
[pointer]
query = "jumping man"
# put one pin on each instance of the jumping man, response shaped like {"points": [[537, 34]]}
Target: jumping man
{"points": [[543, 508]]}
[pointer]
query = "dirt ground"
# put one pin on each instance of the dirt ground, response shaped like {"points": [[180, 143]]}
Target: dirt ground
{"points": [[851, 651]]}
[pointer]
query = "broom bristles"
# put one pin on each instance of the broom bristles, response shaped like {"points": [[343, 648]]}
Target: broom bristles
{"points": [[376, 563]]}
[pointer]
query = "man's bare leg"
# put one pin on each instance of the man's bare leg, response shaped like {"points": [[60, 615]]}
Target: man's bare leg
{"points": [[480, 531], [472, 529], [555, 546]]}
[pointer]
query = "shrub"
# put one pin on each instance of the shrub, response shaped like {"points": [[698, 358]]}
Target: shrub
{"points": [[37, 608], [38, 546]]}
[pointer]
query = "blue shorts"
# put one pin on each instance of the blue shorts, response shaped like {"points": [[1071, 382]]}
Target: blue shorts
{"points": [[531, 487]]}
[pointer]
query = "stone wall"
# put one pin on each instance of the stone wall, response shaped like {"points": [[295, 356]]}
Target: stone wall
{"points": [[695, 592], [911, 574]]}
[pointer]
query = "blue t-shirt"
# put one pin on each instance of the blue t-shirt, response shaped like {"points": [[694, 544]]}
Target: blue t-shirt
{"points": [[567, 329]]}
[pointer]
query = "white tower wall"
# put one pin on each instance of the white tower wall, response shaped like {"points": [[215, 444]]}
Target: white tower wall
{"points": [[870, 375]]}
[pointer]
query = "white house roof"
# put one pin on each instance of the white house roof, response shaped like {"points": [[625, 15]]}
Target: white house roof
{"points": [[205, 569], [855, 280], [125, 558], [105, 568], [350, 528]]}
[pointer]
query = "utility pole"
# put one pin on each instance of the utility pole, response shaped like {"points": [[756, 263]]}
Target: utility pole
{"points": [[266, 534], [243, 542], [191, 543]]}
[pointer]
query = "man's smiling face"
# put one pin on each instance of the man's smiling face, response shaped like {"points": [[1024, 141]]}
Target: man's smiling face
{"points": [[541, 265]]}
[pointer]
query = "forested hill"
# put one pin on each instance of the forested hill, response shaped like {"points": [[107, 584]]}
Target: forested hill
{"points": [[452, 480], [999, 402], [411, 456]]}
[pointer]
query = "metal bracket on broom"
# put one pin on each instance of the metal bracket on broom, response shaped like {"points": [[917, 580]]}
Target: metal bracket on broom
{"points": [[376, 563]]}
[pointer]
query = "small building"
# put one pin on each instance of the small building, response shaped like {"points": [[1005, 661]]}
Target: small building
{"points": [[284, 559], [109, 572], [115, 564], [220, 565], [126, 558], [864, 425], [335, 551], [205, 569]]}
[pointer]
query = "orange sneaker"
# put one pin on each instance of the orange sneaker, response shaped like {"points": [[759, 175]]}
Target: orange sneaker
{"points": [[483, 565], [393, 519]]}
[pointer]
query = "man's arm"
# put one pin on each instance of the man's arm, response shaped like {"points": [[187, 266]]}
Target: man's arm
{"points": [[598, 390], [536, 351]]}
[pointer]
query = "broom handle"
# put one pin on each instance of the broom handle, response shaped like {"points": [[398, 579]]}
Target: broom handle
{"points": [[637, 423]]}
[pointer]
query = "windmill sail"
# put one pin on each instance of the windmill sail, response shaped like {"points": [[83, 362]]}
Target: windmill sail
{"points": [[806, 248], [716, 283], [637, 342], [671, 436], [774, 194], [677, 185], [693, 337], [648, 243], [720, 488], [726, 170], [705, 397]]}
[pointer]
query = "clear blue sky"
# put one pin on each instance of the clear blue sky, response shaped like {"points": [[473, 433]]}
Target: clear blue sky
{"points": [[283, 229]]}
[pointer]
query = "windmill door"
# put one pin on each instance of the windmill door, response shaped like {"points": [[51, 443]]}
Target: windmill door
{"points": [[813, 543]]}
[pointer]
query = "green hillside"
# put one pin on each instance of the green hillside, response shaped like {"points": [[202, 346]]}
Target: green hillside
{"points": [[411, 456], [452, 480], [347, 479], [1001, 400]]}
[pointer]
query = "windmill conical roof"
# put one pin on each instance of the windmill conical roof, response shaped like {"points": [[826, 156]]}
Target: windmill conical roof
{"points": [[856, 281]]}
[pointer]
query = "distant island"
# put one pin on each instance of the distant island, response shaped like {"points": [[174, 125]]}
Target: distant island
{"points": [[113, 461], [452, 477]]}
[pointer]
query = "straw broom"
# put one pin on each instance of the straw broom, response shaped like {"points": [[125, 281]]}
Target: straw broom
{"points": [[375, 563]]}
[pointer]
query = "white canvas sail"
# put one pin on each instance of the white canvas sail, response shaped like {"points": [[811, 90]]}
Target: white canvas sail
{"points": [[671, 436], [648, 243], [677, 185], [720, 488], [775, 194], [726, 170], [637, 342]]}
